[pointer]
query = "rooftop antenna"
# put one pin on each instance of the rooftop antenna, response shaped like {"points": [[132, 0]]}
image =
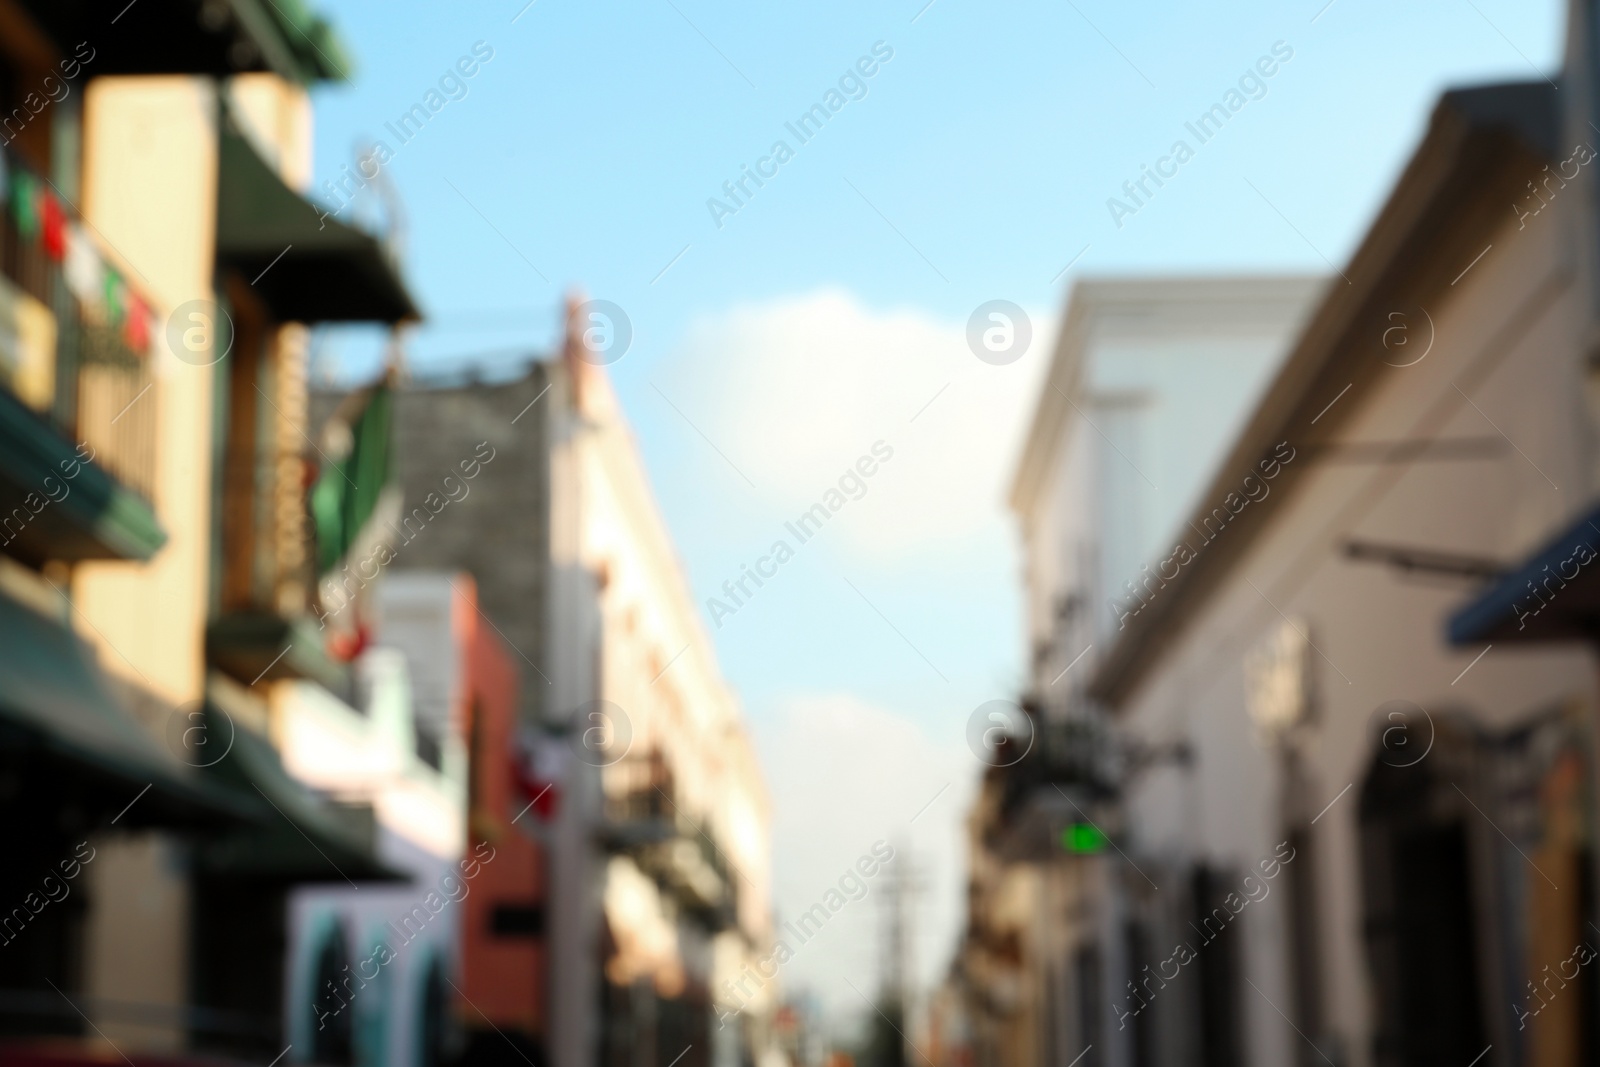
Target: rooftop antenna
{"points": [[394, 225], [904, 882], [395, 233]]}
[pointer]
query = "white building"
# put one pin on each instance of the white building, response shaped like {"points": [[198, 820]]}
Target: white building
{"points": [[1150, 380], [384, 952], [1386, 834]]}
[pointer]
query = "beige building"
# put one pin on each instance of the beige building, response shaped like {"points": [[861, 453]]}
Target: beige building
{"points": [[686, 895], [154, 393], [1379, 849], [1334, 791]]}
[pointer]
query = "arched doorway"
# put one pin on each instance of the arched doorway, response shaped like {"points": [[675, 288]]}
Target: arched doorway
{"points": [[332, 1019], [370, 1036], [1476, 880], [432, 1006]]}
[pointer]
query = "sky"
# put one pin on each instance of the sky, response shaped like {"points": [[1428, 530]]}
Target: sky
{"points": [[778, 338]]}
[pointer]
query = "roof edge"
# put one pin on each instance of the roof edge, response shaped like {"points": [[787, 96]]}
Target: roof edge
{"points": [[1096, 295], [1410, 248]]}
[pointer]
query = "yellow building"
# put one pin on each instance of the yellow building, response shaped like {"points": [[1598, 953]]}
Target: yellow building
{"points": [[157, 268]]}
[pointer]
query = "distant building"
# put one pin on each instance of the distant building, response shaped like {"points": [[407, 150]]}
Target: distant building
{"points": [[656, 874], [422, 744], [685, 821], [1150, 380], [485, 484]]}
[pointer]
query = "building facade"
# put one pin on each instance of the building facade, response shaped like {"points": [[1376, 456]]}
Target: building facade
{"points": [[1149, 380], [163, 669], [1341, 798], [647, 805], [1375, 807]]}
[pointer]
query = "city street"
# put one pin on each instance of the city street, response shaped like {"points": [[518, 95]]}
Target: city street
{"points": [[677, 534]]}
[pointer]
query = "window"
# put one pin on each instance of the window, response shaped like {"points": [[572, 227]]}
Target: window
{"points": [[1091, 1004], [517, 920]]}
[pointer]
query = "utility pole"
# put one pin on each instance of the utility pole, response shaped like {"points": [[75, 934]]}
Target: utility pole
{"points": [[890, 1043]]}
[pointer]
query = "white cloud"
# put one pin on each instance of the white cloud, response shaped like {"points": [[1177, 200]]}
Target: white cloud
{"points": [[793, 391], [844, 774], [796, 390]]}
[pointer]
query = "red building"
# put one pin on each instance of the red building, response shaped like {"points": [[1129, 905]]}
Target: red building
{"points": [[503, 947]]}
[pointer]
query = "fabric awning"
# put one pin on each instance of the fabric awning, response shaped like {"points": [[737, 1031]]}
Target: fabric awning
{"points": [[306, 264], [60, 720], [1553, 596], [184, 37], [264, 647], [54, 506], [301, 837], [63, 729]]}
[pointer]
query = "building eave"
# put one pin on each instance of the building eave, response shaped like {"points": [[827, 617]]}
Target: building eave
{"points": [[1480, 145], [1192, 301]]}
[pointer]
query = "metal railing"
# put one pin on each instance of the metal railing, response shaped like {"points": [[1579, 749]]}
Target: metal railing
{"points": [[111, 412], [102, 387], [645, 818], [1076, 752]]}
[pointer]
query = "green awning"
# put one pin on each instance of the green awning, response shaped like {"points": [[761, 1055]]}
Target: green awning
{"points": [[46, 515], [306, 264], [216, 38], [302, 837], [60, 720], [265, 647], [62, 729], [295, 41]]}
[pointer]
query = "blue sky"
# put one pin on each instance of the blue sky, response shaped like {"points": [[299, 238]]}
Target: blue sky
{"points": [[828, 310]]}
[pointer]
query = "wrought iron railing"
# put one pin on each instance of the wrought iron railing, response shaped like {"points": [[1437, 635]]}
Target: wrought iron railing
{"points": [[102, 394], [640, 789], [646, 819], [113, 412], [1073, 753]]}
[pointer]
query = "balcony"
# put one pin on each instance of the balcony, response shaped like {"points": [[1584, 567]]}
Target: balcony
{"points": [[77, 418], [638, 802], [1065, 776], [1075, 754], [643, 818], [280, 560]]}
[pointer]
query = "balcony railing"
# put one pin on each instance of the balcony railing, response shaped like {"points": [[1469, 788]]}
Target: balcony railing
{"points": [[640, 791], [1075, 753], [644, 818], [79, 371]]}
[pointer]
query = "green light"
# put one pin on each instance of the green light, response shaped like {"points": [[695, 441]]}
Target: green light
{"points": [[1084, 839]]}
